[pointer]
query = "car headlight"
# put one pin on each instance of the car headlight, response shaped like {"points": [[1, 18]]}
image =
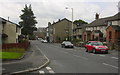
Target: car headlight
{"points": [[106, 47], [96, 47]]}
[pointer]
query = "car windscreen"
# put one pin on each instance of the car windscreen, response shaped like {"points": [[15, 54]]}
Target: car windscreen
{"points": [[68, 43], [97, 43]]}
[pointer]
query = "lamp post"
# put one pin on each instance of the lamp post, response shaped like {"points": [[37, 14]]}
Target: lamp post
{"points": [[72, 24]]}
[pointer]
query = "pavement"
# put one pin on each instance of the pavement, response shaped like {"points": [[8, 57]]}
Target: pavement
{"points": [[34, 59]]}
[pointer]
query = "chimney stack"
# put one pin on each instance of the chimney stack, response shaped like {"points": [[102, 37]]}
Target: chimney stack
{"points": [[8, 18], [97, 16], [49, 24], [53, 22], [59, 20]]}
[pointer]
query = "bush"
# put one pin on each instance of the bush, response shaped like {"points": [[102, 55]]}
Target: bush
{"points": [[32, 37], [112, 46], [117, 46], [77, 40]]}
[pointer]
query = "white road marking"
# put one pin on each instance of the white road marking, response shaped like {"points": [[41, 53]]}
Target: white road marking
{"points": [[41, 72], [110, 65], [114, 57], [52, 72], [11, 63], [48, 68], [102, 55]]}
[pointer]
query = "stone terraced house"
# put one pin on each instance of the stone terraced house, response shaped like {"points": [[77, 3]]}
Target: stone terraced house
{"points": [[9, 31]]}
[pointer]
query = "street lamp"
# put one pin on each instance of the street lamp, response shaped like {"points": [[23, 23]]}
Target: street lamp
{"points": [[72, 23]]}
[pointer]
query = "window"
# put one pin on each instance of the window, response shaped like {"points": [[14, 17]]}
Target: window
{"points": [[109, 23]]}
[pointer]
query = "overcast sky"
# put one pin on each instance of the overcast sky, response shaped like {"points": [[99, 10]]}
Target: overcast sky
{"points": [[52, 10]]}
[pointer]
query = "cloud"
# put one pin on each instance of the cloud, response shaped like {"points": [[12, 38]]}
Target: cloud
{"points": [[10, 10], [52, 10], [59, 0]]}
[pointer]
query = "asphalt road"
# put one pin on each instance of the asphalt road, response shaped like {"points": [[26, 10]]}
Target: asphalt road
{"points": [[68, 60]]}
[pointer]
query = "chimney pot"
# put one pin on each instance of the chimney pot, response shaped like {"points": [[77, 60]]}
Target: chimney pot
{"points": [[97, 16]]}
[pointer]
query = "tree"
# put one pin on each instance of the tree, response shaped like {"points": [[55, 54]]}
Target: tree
{"points": [[28, 21], [79, 22]]}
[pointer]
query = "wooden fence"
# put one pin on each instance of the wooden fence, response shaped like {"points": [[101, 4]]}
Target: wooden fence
{"points": [[23, 45]]}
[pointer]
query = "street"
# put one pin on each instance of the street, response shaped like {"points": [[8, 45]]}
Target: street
{"points": [[68, 60], [34, 38]]}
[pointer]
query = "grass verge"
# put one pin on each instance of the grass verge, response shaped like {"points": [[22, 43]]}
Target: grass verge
{"points": [[10, 55]]}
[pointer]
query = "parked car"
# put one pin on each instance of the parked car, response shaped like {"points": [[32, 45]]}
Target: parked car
{"points": [[43, 41], [65, 44], [95, 47]]}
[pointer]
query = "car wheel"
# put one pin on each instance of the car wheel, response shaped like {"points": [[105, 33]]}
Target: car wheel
{"points": [[86, 50], [63, 46], [106, 52], [94, 51]]}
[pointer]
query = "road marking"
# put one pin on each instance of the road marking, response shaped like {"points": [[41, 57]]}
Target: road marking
{"points": [[50, 70], [41, 72], [11, 63], [114, 57], [110, 65], [81, 57], [102, 55]]}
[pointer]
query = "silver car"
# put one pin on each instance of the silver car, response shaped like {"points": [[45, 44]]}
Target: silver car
{"points": [[68, 44]]}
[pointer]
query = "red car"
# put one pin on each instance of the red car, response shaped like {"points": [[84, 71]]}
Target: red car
{"points": [[95, 47]]}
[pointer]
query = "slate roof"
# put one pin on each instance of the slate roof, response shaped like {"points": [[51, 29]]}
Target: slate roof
{"points": [[115, 17], [61, 21], [103, 21], [4, 21], [116, 27]]}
